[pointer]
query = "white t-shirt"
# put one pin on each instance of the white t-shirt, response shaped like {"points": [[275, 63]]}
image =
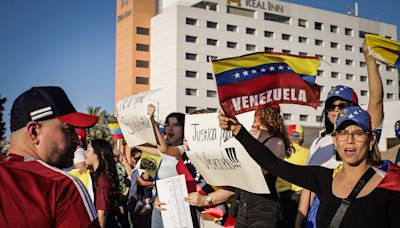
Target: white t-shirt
{"points": [[322, 153], [167, 167], [79, 156]]}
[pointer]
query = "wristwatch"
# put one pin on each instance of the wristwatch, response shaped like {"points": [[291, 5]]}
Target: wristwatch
{"points": [[208, 200]]}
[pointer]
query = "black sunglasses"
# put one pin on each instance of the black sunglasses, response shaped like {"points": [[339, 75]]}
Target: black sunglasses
{"points": [[341, 106]]}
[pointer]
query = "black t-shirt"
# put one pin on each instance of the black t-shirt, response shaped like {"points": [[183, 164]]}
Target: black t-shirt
{"points": [[380, 208]]}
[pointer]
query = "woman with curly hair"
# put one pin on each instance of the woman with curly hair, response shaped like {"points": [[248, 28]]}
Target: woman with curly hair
{"points": [[99, 157], [263, 210]]}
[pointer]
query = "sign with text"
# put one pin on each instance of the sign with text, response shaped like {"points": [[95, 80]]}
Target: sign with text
{"points": [[133, 120], [219, 157]]}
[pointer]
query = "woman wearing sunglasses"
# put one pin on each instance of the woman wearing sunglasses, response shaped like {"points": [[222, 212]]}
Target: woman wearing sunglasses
{"points": [[345, 201], [322, 151]]}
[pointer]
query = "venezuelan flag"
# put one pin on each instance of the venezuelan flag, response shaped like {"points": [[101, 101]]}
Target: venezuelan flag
{"points": [[255, 80], [384, 49], [115, 131]]}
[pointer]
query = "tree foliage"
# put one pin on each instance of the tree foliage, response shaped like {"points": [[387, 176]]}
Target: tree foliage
{"points": [[100, 130]]}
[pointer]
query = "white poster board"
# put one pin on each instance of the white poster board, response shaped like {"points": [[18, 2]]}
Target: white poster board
{"points": [[219, 157], [172, 191], [133, 120]]}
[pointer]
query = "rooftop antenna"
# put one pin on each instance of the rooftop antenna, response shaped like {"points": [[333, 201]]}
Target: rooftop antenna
{"points": [[356, 8]]}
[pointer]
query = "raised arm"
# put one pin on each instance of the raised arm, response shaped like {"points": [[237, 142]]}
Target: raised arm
{"points": [[307, 177], [375, 103]]}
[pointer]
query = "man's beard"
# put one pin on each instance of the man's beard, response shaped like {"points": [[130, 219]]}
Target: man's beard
{"points": [[66, 159]]}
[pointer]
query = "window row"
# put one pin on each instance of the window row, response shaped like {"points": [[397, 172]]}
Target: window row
{"points": [[286, 20], [194, 74], [192, 109], [194, 92]]}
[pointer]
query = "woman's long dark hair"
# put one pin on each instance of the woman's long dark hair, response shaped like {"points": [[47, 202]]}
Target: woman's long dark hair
{"points": [[107, 166]]}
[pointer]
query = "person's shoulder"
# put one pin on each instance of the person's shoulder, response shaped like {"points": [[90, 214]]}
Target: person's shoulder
{"points": [[103, 181]]}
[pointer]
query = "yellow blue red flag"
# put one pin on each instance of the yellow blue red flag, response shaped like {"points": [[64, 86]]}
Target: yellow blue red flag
{"points": [[253, 81], [384, 49], [115, 131]]}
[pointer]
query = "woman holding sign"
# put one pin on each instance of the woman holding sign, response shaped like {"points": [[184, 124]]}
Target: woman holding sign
{"points": [[358, 195]]}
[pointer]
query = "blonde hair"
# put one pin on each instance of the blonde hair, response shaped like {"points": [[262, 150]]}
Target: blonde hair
{"points": [[271, 118]]}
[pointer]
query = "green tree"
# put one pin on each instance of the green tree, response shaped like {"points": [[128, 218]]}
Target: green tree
{"points": [[100, 130]]}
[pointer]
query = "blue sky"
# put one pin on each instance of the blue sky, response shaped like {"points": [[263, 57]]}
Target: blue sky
{"points": [[71, 43]]}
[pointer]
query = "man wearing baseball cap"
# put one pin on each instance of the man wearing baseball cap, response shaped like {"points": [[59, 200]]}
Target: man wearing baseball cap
{"points": [[34, 191], [289, 193]]}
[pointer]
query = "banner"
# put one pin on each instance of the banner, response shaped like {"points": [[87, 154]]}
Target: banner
{"points": [[219, 157], [383, 49], [133, 120], [150, 163], [253, 81]]}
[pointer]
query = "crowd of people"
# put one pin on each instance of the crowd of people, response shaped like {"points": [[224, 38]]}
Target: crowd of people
{"points": [[340, 181]]}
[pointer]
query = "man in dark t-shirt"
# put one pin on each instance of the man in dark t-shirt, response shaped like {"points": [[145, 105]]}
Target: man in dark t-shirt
{"points": [[34, 191]]}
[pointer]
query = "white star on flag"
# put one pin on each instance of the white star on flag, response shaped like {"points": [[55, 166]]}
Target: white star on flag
{"points": [[351, 116], [237, 75], [245, 73], [337, 92], [263, 69], [253, 71], [272, 68], [289, 68], [280, 67], [341, 89], [355, 112]]}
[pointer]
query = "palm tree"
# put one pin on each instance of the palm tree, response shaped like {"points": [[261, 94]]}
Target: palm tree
{"points": [[100, 130]]}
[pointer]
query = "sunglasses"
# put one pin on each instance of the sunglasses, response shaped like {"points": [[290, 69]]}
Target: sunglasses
{"points": [[341, 106]]}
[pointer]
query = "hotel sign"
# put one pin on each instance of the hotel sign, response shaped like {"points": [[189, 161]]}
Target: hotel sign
{"points": [[258, 4]]}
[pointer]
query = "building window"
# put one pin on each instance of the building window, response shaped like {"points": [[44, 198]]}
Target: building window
{"points": [[320, 73], [142, 47], [210, 57], [142, 80], [287, 116], [364, 93], [389, 37], [285, 36], [230, 44], [349, 47], [211, 24], [321, 57], [191, 92], [363, 78], [191, 39], [191, 56], [318, 119], [334, 45], [318, 26], [211, 93], [361, 34], [142, 31], [250, 31], [231, 28], [250, 47], [334, 29], [212, 42], [190, 109], [361, 50], [304, 118], [191, 21], [142, 64], [362, 64], [350, 77], [334, 60], [268, 49], [389, 82], [303, 23], [191, 74], [303, 53], [349, 62], [348, 32], [210, 76], [285, 51], [268, 34], [319, 42], [276, 18], [211, 110], [334, 75], [389, 96], [302, 39]]}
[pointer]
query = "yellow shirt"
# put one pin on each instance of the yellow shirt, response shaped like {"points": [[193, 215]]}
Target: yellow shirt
{"points": [[299, 157]]}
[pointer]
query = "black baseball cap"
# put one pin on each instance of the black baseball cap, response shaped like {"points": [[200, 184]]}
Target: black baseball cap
{"points": [[44, 103]]}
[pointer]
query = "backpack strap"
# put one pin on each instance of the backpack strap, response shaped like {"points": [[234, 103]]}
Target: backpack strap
{"points": [[345, 204]]}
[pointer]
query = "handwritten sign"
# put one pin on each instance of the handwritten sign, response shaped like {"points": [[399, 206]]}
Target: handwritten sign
{"points": [[219, 157], [132, 118], [172, 191]]}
